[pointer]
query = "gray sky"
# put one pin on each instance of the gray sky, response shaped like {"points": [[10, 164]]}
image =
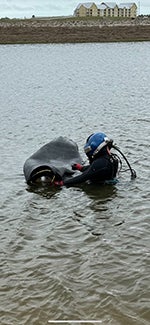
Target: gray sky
{"points": [[27, 8]]}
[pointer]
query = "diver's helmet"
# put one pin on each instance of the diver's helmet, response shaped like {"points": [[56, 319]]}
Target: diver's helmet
{"points": [[95, 143]]}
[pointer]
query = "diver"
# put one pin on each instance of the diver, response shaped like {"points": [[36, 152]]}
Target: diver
{"points": [[102, 167]]}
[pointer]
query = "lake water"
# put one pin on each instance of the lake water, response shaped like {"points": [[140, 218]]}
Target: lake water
{"points": [[78, 253]]}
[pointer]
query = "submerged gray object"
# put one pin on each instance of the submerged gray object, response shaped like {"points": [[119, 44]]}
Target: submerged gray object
{"points": [[53, 159]]}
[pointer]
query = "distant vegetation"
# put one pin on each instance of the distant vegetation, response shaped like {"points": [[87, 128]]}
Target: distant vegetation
{"points": [[70, 18]]}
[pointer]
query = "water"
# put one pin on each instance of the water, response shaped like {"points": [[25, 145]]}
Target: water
{"points": [[79, 253]]}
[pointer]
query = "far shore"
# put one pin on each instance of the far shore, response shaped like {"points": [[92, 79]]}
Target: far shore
{"points": [[73, 30]]}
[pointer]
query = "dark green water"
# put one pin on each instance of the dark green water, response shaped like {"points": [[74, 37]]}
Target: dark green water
{"points": [[78, 253]]}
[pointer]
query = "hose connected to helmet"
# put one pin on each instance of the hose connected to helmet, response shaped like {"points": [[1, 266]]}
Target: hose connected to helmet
{"points": [[133, 172], [109, 143]]}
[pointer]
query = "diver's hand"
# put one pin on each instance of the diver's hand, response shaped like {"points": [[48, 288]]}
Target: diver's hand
{"points": [[58, 183], [77, 167]]}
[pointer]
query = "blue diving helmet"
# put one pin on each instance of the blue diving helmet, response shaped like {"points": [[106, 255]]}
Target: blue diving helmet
{"points": [[95, 143]]}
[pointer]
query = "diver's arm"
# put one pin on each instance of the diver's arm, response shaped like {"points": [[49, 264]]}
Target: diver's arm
{"points": [[72, 181], [99, 171], [78, 179]]}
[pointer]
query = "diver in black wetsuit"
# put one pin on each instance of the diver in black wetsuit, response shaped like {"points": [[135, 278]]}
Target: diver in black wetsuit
{"points": [[103, 165]]}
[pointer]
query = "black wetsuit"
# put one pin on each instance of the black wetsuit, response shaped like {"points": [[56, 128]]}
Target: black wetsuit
{"points": [[102, 169]]}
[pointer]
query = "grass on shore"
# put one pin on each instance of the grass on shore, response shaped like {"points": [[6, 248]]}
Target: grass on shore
{"points": [[67, 19]]}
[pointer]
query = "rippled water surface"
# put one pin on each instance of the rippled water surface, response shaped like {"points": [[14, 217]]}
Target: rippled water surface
{"points": [[79, 253]]}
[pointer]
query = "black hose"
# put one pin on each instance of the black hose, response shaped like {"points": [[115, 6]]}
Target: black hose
{"points": [[133, 172]]}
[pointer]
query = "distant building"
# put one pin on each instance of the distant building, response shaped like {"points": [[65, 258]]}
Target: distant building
{"points": [[110, 9], [106, 9], [86, 9], [127, 10]]}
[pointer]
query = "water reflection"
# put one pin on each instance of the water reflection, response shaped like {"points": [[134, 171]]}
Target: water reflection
{"points": [[100, 192], [97, 193], [99, 207], [43, 190], [89, 205]]}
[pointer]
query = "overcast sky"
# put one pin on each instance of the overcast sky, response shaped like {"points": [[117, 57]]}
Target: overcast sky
{"points": [[27, 8]]}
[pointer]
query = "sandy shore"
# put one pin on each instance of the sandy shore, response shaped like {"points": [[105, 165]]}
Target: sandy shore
{"points": [[72, 30]]}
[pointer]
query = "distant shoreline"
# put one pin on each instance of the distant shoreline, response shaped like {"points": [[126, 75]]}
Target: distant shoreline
{"points": [[73, 30]]}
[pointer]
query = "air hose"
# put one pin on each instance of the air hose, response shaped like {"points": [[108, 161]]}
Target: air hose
{"points": [[133, 172]]}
